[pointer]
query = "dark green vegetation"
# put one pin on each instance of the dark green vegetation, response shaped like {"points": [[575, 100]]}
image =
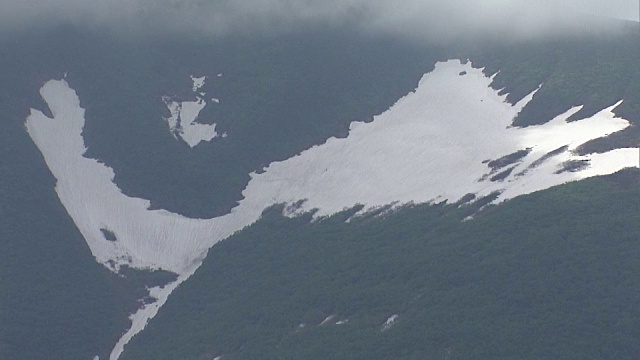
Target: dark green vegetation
{"points": [[109, 235], [552, 275], [596, 73], [548, 156], [56, 302], [280, 96], [508, 159], [498, 172], [573, 166]]}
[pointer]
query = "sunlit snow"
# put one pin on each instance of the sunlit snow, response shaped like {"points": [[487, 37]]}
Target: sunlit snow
{"points": [[434, 144]]}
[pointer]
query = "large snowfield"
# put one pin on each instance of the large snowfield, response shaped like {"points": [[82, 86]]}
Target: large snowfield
{"points": [[449, 138]]}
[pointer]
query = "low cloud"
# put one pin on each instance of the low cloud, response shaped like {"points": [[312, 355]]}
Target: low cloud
{"points": [[436, 19]]}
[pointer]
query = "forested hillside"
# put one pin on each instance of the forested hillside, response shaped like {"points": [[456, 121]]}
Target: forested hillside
{"points": [[551, 275]]}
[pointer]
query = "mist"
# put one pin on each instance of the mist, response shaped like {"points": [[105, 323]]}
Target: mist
{"points": [[436, 19]]}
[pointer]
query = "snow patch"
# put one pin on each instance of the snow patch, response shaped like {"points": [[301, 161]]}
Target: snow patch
{"points": [[327, 320], [182, 121], [389, 323], [140, 318], [429, 147], [198, 82]]}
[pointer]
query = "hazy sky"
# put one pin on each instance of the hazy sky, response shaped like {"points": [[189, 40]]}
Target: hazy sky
{"points": [[434, 18], [622, 9]]}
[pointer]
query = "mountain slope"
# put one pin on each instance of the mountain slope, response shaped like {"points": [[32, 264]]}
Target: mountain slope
{"points": [[407, 154], [277, 98], [547, 275], [56, 302]]}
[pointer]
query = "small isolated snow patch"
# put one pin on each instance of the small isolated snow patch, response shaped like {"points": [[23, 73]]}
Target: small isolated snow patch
{"points": [[182, 121], [327, 320], [198, 82], [300, 327], [389, 323]]}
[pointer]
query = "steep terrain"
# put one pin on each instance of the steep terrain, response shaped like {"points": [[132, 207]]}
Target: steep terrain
{"points": [[146, 146], [545, 276], [412, 153]]}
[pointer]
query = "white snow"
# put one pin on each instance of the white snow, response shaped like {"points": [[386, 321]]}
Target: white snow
{"points": [[146, 239], [327, 320], [389, 323], [430, 146], [140, 318], [182, 121], [198, 82]]}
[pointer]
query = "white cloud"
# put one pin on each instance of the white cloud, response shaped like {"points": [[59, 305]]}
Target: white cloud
{"points": [[434, 18]]}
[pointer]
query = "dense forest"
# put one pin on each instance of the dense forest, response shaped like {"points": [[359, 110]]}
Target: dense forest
{"points": [[551, 275], [567, 253]]}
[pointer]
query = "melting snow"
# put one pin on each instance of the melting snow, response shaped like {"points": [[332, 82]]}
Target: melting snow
{"points": [[327, 320], [198, 82], [430, 146], [389, 323], [184, 114]]}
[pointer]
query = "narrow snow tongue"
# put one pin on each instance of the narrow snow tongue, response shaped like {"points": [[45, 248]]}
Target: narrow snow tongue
{"points": [[120, 231]]}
